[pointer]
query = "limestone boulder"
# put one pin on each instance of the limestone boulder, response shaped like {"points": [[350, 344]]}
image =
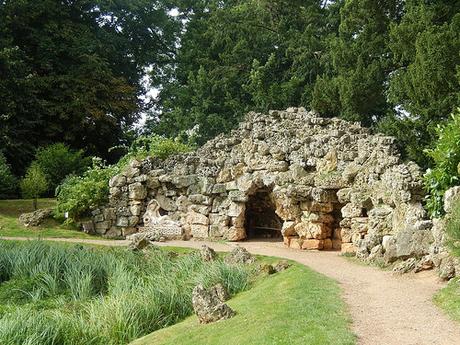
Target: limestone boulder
{"points": [[35, 218], [209, 306], [239, 255], [451, 196], [207, 253]]}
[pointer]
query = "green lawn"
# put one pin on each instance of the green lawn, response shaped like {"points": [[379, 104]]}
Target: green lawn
{"points": [[10, 226], [297, 306], [449, 299]]}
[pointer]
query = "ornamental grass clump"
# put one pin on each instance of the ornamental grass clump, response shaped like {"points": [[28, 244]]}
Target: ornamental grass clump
{"points": [[70, 294]]}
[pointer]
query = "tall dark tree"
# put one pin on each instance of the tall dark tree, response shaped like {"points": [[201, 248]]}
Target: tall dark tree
{"points": [[425, 84], [240, 55], [70, 71], [358, 62]]}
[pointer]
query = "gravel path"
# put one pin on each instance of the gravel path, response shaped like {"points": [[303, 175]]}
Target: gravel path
{"points": [[386, 309]]}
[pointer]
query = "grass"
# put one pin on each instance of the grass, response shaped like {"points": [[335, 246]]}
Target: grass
{"points": [[10, 226], [297, 306], [449, 299], [73, 295]]}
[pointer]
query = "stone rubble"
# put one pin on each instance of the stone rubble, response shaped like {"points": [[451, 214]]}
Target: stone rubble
{"points": [[239, 255], [319, 183], [209, 305], [35, 218], [207, 253]]}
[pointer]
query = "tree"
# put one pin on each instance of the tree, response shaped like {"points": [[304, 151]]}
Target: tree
{"points": [[424, 85], [57, 161], [72, 71], [8, 182], [34, 184], [237, 56], [358, 62]]}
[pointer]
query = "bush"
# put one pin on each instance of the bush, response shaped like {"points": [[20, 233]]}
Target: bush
{"points": [[8, 182], [154, 146], [78, 195], [446, 157], [74, 295], [34, 184], [57, 162]]}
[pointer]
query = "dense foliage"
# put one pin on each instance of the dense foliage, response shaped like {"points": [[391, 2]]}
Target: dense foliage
{"points": [[237, 56], [393, 65], [71, 71], [446, 157], [56, 294], [57, 161], [78, 194], [8, 182]]}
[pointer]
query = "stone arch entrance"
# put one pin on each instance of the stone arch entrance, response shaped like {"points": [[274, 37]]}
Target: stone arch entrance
{"points": [[261, 220]]}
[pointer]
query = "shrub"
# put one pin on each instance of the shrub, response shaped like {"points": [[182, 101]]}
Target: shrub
{"points": [[34, 184], [78, 195], [57, 162], [8, 182], [154, 146], [446, 158]]}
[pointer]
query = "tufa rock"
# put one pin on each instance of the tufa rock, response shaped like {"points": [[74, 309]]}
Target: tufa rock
{"points": [[209, 306], [239, 255], [207, 253], [282, 265], [35, 218]]}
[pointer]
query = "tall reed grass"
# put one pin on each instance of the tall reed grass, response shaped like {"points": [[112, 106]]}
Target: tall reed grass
{"points": [[54, 294]]}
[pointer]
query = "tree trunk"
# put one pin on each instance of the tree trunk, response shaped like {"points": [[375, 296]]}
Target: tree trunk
{"points": [[35, 204]]}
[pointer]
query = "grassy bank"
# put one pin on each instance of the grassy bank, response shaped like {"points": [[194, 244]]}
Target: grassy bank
{"points": [[10, 226], [297, 306], [449, 299], [73, 295]]}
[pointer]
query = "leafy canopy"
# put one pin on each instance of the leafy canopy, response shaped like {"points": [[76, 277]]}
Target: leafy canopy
{"points": [[71, 71], [58, 161], [34, 184], [446, 157]]}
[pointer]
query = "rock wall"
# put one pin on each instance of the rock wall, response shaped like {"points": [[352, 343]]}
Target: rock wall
{"points": [[319, 183]]}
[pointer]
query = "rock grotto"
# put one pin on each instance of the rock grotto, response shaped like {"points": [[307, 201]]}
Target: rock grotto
{"points": [[312, 182]]}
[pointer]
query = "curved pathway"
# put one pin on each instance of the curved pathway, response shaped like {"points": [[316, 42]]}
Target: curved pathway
{"points": [[386, 309]]}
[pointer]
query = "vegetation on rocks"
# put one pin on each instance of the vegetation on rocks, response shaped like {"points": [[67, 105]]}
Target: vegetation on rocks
{"points": [[56, 294], [78, 194]]}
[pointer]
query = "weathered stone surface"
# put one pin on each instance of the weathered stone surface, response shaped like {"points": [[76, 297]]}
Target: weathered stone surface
{"points": [[207, 253], [208, 305], [282, 266], [35, 218], [330, 183], [451, 196], [406, 266], [239, 255], [139, 242]]}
